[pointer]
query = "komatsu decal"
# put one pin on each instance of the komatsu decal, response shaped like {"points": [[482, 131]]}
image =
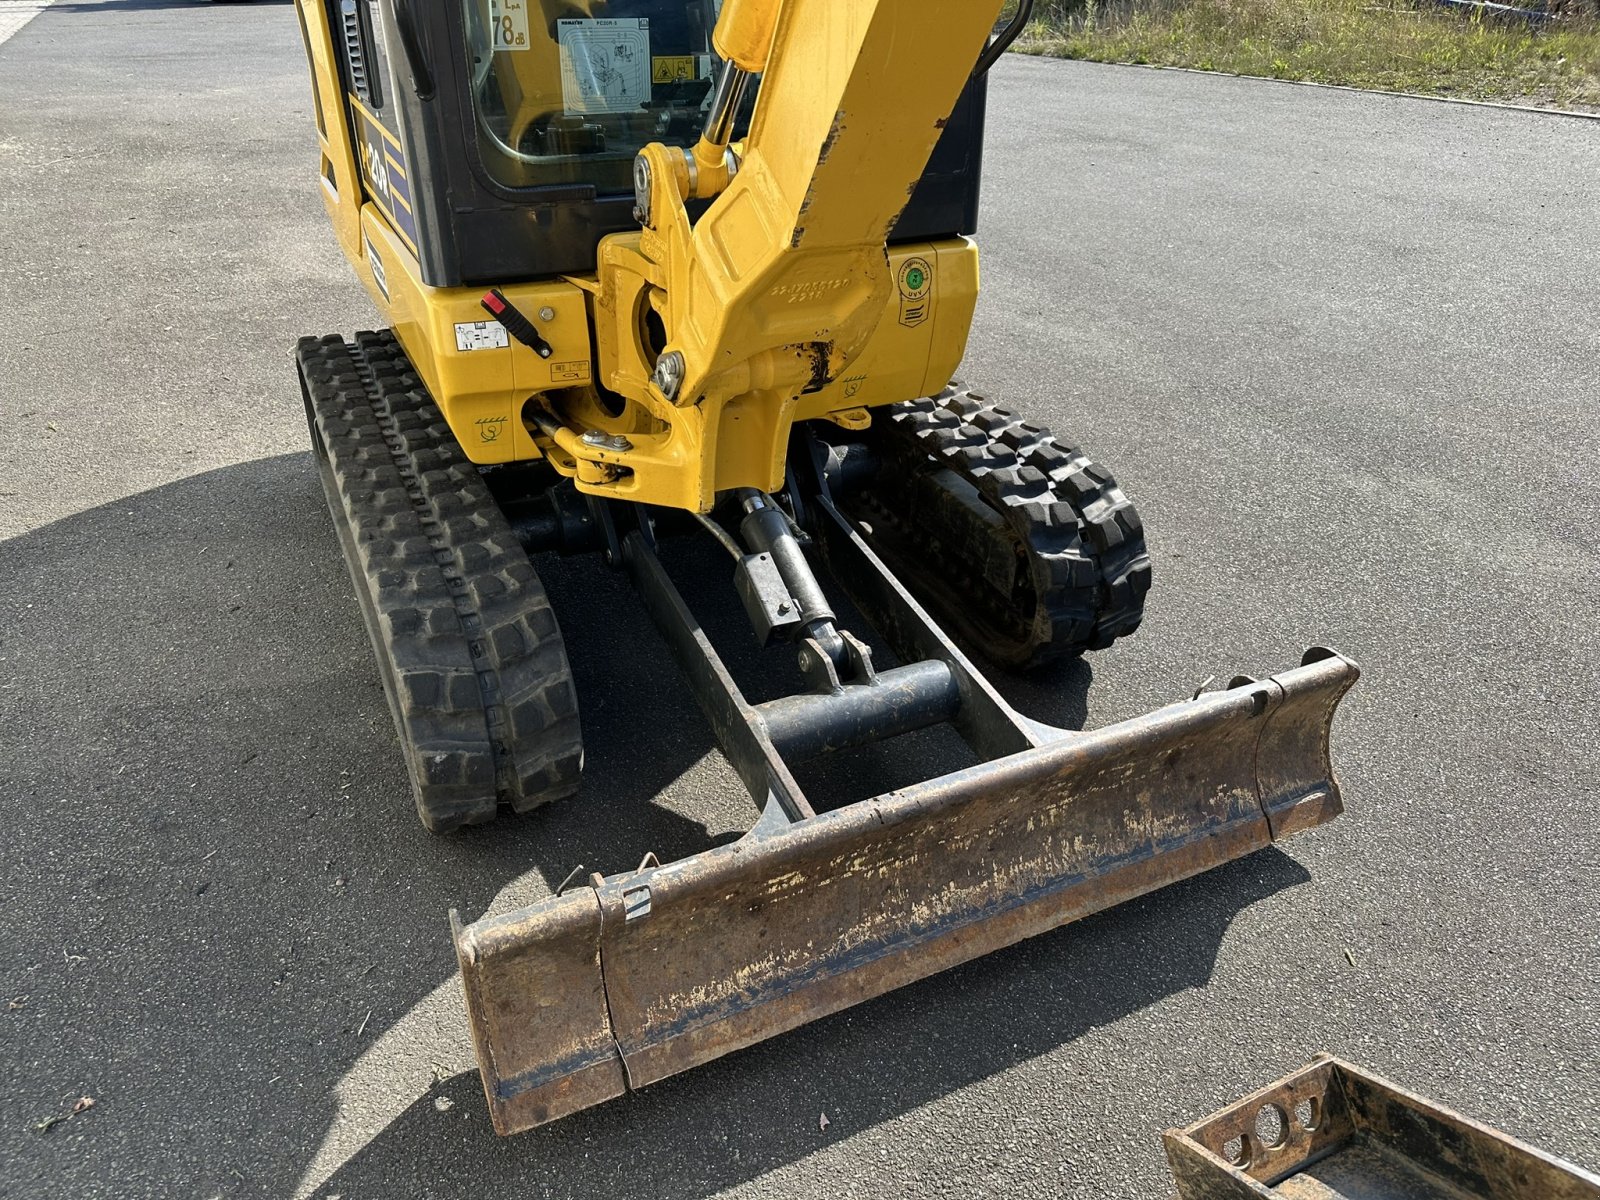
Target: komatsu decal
{"points": [[376, 263], [384, 170]]}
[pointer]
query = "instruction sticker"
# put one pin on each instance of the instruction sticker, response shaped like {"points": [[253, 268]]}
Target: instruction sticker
{"points": [[510, 21], [605, 65], [481, 335]]}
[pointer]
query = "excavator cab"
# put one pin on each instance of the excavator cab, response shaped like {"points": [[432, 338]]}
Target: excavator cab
{"points": [[534, 113], [662, 269]]}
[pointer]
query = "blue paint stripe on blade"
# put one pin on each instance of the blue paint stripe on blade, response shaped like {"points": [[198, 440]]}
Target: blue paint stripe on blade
{"points": [[527, 1081]]}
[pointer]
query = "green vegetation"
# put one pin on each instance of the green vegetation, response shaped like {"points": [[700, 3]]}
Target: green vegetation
{"points": [[1391, 45]]}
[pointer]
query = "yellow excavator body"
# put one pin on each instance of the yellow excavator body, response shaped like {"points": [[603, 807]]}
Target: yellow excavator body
{"points": [[660, 269]]}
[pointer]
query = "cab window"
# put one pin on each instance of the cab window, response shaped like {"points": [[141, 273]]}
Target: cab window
{"points": [[568, 92]]}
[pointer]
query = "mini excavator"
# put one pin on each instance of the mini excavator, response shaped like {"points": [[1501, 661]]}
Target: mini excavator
{"points": [[663, 269]]}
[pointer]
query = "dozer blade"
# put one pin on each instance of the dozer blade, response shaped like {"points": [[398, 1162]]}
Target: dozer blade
{"points": [[639, 976]]}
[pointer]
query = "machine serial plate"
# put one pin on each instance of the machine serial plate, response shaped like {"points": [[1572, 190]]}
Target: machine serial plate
{"points": [[481, 335]]}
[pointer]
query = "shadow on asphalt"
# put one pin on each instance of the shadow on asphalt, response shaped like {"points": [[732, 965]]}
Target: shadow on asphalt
{"points": [[217, 873], [760, 1109]]}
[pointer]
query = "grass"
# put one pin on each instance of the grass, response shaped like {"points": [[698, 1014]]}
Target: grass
{"points": [[1390, 45]]}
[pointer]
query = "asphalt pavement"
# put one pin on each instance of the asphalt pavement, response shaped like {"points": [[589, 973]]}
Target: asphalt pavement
{"points": [[1340, 347]]}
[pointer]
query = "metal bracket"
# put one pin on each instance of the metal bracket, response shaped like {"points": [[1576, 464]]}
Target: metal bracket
{"points": [[1334, 1129], [773, 613]]}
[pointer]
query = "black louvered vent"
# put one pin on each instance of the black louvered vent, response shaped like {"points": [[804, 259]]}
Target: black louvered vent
{"points": [[355, 50]]}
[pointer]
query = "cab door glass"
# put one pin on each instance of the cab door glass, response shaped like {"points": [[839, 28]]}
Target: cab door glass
{"points": [[567, 92]]}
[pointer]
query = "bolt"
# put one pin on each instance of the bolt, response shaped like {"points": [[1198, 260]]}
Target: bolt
{"points": [[783, 608], [669, 374], [601, 440], [547, 313], [641, 189]]}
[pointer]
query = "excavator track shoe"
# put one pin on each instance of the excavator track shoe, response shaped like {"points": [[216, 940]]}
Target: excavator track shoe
{"points": [[1021, 545], [471, 657]]}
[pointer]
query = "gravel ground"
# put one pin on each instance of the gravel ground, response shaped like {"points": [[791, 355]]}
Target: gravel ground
{"points": [[1338, 345]]}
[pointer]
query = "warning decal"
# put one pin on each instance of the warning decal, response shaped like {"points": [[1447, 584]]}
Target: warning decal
{"points": [[605, 65], [680, 68], [490, 428], [569, 372]]}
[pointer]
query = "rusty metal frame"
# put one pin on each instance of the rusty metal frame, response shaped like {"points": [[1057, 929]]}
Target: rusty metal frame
{"points": [[1332, 1131]]}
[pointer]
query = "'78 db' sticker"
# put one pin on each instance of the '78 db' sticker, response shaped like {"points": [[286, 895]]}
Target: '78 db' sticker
{"points": [[510, 21]]}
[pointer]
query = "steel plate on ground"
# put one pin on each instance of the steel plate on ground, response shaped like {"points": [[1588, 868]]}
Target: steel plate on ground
{"points": [[1333, 1131]]}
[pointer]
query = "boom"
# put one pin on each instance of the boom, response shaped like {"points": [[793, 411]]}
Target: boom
{"points": [[778, 288]]}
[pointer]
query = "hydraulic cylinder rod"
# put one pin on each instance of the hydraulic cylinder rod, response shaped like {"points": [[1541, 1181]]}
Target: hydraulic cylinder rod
{"points": [[766, 531], [743, 37], [732, 85]]}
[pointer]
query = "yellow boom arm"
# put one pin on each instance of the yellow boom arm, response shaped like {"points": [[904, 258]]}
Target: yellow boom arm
{"points": [[776, 291]]}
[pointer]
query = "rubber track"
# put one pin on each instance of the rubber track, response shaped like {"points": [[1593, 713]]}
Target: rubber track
{"points": [[1057, 563], [471, 656]]}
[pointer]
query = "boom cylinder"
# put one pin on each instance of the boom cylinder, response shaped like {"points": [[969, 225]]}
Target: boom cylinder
{"points": [[725, 101], [744, 32], [743, 37]]}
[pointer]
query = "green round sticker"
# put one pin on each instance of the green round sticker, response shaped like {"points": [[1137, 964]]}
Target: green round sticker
{"points": [[915, 279]]}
